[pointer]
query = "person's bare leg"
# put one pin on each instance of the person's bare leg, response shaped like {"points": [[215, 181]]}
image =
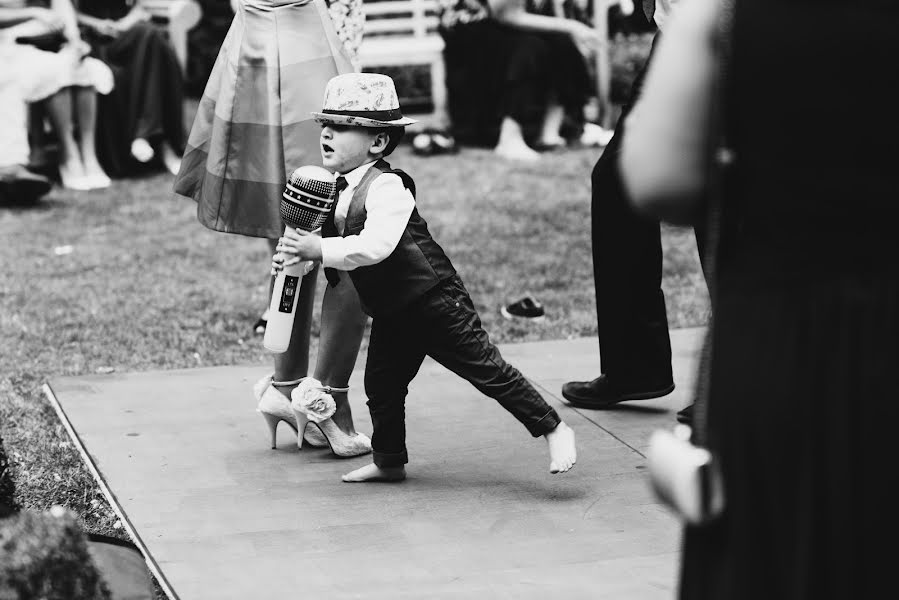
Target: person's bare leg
{"points": [[71, 169], [86, 110], [342, 328], [511, 142], [170, 158], [562, 450], [552, 125], [260, 328], [373, 472]]}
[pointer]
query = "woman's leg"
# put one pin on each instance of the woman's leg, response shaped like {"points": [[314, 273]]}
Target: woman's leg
{"points": [[342, 328], [262, 322], [294, 362], [86, 111], [71, 168]]}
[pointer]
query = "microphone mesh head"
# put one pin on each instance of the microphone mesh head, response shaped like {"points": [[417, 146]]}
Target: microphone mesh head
{"points": [[307, 198]]}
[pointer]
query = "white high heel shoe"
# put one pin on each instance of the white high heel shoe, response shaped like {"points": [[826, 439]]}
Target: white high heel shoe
{"points": [[341, 444], [275, 408]]}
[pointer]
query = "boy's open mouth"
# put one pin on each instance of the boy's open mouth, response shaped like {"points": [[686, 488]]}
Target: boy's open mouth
{"points": [[327, 148]]}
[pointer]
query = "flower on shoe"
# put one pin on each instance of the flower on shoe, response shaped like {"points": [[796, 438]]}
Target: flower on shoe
{"points": [[310, 399]]}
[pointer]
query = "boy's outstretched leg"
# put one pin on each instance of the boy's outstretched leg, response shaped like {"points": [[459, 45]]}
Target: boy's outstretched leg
{"points": [[562, 451], [373, 472]]}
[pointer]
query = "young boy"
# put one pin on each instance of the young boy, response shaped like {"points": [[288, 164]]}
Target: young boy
{"points": [[418, 304]]}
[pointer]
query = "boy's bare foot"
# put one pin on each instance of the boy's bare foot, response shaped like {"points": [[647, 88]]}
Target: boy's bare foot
{"points": [[373, 472], [562, 453]]}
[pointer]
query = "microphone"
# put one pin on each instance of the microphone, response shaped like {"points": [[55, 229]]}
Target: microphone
{"points": [[305, 204]]}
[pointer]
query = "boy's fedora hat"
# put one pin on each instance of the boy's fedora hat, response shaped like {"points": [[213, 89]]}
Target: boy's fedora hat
{"points": [[363, 100]]}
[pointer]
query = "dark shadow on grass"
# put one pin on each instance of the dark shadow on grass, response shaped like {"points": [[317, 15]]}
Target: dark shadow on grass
{"points": [[40, 204]]}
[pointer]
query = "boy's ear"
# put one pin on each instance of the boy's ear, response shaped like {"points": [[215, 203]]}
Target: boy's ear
{"points": [[379, 142]]}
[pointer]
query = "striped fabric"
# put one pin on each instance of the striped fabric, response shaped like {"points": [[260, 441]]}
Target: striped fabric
{"points": [[253, 123]]}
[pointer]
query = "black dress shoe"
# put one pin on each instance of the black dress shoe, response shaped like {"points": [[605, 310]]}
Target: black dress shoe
{"points": [[600, 393], [685, 415], [18, 185]]}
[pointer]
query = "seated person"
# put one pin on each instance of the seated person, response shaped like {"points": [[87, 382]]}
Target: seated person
{"points": [[61, 79], [143, 117], [512, 75], [18, 185]]}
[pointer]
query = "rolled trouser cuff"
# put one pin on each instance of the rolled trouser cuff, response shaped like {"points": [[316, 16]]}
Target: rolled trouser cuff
{"points": [[387, 460], [547, 423]]}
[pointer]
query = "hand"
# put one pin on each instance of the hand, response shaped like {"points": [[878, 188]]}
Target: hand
{"points": [[279, 264], [76, 49], [300, 245], [49, 19], [109, 28], [585, 37]]}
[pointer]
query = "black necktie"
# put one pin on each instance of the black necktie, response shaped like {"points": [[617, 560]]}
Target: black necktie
{"points": [[649, 9], [329, 229]]}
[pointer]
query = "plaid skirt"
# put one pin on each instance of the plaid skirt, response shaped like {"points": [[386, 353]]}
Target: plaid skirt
{"points": [[253, 125]]}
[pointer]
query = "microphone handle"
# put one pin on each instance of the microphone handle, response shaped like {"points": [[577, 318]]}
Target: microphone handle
{"points": [[282, 309]]}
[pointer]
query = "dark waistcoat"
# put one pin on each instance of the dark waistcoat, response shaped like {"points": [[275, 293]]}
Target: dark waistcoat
{"points": [[416, 265]]}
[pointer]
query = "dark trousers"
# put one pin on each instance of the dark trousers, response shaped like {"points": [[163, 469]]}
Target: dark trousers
{"points": [[634, 347], [445, 326]]}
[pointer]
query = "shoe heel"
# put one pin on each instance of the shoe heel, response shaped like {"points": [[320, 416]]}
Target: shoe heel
{"points": [[302, 421], [272, 422]]}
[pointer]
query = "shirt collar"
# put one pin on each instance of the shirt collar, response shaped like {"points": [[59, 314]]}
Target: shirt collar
{"points": [[355, 176]]}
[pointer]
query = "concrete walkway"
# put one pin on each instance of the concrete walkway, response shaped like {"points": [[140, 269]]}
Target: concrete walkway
{"points": [[185, 460]]}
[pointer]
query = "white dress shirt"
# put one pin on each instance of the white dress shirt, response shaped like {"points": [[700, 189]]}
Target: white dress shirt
{"points": [[388, 206]]}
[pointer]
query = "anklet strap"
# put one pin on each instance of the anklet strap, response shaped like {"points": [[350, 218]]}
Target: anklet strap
{"points": [[325, 388], [328, 389], [291, 382]]}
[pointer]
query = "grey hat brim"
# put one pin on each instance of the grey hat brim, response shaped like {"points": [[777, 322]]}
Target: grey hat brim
{"points": [[323, 118]]}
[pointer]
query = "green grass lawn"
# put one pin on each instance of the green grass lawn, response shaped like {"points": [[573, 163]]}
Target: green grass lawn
{"points": [[146, 287]]}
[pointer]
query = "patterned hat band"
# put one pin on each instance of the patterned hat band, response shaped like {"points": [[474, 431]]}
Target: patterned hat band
{"points": [[394, 114]]}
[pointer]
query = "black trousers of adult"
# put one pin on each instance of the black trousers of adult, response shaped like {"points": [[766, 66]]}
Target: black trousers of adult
{"points": [[444, 325], [634, 346]]}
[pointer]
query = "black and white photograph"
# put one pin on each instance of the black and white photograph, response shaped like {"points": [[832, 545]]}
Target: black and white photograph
{"points": [[448, 299]]}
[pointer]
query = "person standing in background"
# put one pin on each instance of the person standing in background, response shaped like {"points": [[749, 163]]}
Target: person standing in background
{"points": [[802, 401], [254, 127], [632, 321]]}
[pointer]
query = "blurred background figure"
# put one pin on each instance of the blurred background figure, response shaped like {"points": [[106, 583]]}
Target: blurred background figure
{"points": [[18, 184], [46, 60], [802, 401], [513, 75], [143, 117]]}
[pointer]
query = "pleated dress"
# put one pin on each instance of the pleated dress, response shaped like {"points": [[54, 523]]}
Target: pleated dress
{"points": [[253, 125]]}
